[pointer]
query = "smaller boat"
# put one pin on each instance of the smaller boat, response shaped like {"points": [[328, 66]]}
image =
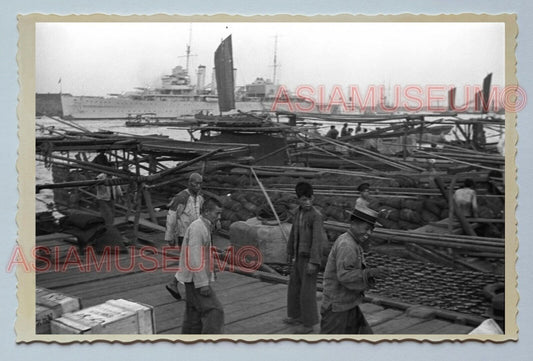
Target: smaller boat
{"points": [[151, 120]]}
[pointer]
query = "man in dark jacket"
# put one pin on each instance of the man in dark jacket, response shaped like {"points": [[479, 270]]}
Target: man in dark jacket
{"points": [[346, 278], [304, 248], [332, 133]]}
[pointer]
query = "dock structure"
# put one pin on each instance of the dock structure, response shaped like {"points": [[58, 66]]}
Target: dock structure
{"points": [[254, 302], [421, 235]]}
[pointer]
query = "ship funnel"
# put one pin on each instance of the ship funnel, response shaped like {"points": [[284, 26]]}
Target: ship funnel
{"points": [[214, 82], [200, 79]]}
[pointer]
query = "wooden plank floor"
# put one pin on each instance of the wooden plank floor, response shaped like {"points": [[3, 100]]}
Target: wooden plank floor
{"points": [[251, 306]]}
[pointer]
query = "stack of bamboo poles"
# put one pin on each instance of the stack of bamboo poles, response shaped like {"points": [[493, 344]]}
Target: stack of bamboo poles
{"points": [[468, 245], [401, 165]]}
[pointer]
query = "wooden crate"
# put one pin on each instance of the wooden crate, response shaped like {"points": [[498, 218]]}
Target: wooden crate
{"points": [[112, 317], [50, 305]]}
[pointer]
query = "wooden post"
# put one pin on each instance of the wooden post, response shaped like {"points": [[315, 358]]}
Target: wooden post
{"points": [[148, 201], [451, 205], [138, 199], [404, 150], [421, 133], [152, 164], [138, 205]]}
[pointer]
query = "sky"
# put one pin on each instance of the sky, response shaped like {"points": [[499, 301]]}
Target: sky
{"points": [[103, 58]]}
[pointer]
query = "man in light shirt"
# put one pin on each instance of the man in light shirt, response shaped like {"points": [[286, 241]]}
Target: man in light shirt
{"points": [[466, 199], [203, 311]]}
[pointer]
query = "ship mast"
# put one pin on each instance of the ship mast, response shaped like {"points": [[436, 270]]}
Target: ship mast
{"points": [[189, 49], [275, 59]]}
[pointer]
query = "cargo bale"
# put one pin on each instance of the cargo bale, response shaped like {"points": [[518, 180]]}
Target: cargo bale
{"points": [[412, 204], [407, 225], [432, 206], [226, 201], [392, 214], [243, 214], [392, 202], [238, 196], [236, 206], [406, 182], [428, 216], [225, 224], [496, 205], [486, 212], [387, 223], [409, 215], [374, 204], [337, 214], [440, 201]]}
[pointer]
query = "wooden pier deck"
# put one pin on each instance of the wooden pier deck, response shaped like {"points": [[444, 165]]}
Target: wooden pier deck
{"points": [[251, 306]]}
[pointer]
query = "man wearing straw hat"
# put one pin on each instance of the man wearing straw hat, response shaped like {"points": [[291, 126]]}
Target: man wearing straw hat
{"points": [[346, 277], [182, 211]]}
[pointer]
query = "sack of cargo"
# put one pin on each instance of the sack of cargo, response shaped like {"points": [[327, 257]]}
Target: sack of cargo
{"points": [[388, 223], [405, 182], [392, 202], [432, 206], [486, 212], [428, 216], [409, 215], [235, 206], [389, 213], [238, 196], [243, 214], [375, 205], [225, 201], [407, 225], [250, 207], [225, 224], [267, 238], [414, 205]]}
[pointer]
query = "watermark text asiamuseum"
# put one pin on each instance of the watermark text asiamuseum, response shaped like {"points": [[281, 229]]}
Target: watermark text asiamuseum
{"points": [[146, 259]]}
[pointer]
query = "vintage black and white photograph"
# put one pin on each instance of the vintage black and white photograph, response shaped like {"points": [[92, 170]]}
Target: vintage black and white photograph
{"points": [[226, 179]]}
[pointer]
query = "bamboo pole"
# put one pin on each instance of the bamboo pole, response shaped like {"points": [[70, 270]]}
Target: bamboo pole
{"points": [[373, 155], [85, 183], [335, 155], [285, 237], [75, 126], [458, 161], [94, 166]]}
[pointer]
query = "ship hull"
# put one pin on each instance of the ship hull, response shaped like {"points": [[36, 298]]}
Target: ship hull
{"points": [[86, 107]]}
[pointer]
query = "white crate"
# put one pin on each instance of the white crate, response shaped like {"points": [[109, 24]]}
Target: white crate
{"points": [[112, 317], [50, 305]]}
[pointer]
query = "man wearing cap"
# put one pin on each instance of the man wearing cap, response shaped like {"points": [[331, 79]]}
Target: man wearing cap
{"points": [[183, 209], [346, 278], [364, 196]]}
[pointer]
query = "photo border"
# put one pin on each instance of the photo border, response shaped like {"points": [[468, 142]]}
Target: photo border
{"points": [[25, 322]]}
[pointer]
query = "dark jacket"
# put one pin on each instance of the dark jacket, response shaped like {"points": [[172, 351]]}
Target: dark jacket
{"points": [[307, 237]]}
